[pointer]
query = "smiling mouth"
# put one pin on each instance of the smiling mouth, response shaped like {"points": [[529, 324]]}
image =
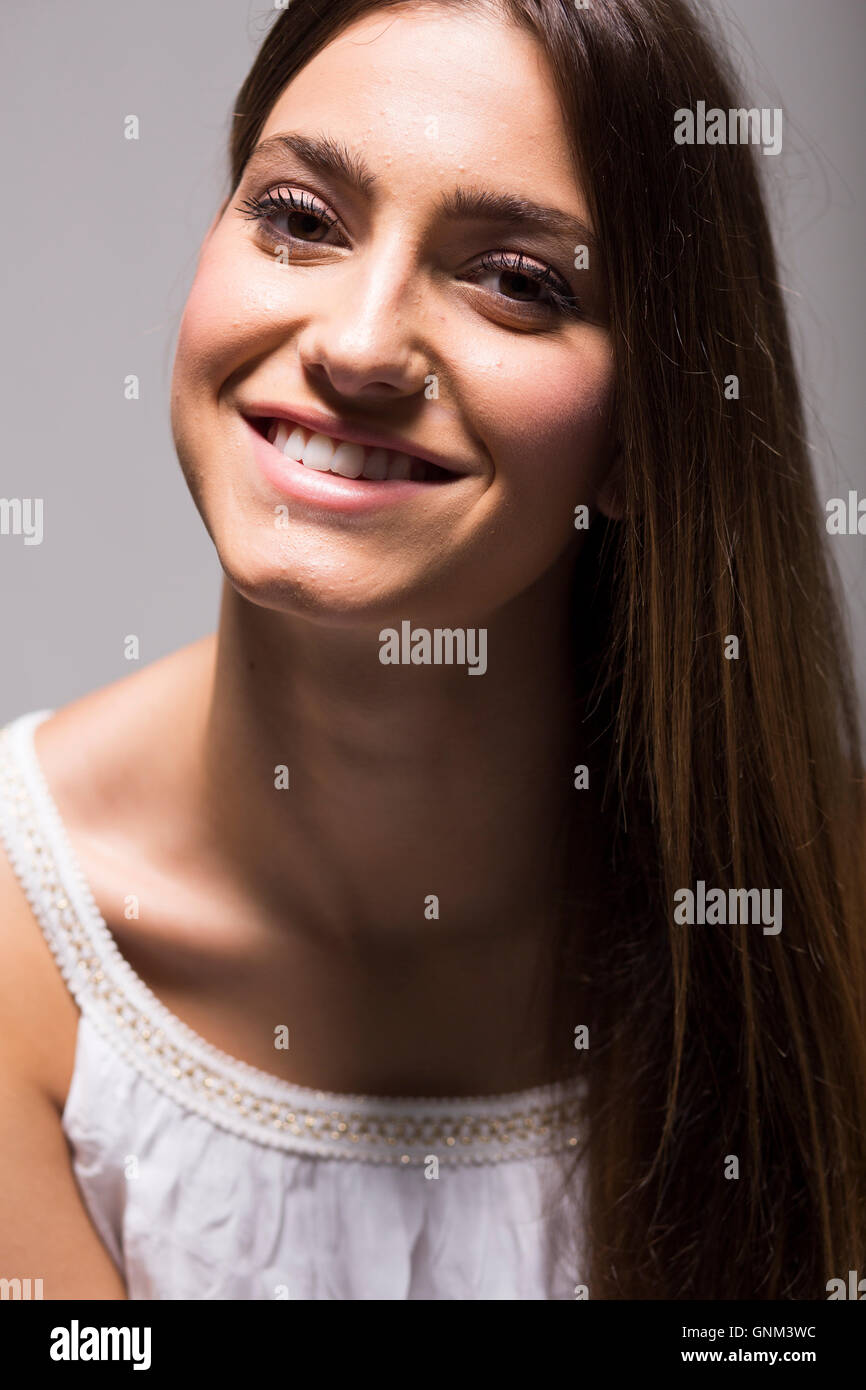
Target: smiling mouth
{"points": [[322, 454]]}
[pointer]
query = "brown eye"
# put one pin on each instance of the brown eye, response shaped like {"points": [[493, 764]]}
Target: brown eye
{"points": [[527, 283], [290, 213]]}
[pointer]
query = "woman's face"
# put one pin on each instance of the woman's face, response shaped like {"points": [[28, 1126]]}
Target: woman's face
{"points": [[380, 272]]}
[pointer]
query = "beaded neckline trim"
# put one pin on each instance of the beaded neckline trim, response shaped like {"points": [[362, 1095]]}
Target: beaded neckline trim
{"points": [[227, 1092]]}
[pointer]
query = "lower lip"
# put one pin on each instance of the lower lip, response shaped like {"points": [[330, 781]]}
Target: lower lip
{"points": [[328, 490]]}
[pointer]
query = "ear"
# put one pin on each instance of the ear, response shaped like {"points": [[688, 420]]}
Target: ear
{"points": [[611, 495]]}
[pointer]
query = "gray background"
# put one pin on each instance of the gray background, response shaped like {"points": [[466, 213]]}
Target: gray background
{"points": [[99, 243]]}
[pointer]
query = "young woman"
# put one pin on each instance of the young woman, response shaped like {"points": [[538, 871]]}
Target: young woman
{"points": [[479, 914]]}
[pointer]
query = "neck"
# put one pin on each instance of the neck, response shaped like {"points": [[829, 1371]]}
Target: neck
{"points": [[405, 783]]}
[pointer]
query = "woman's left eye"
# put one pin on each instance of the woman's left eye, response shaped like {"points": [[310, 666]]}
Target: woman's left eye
{"points": [[530, 276]]}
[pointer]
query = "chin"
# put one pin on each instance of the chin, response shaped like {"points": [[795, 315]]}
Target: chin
{"points": [[323, 589]]}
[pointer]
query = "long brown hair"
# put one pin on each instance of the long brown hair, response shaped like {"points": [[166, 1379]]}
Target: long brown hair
{"points": [[707, 1042]]}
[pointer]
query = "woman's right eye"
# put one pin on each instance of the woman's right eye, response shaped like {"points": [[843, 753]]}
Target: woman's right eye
{"points": [[302, 214]]}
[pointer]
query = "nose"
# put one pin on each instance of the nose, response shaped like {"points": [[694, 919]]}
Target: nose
{"points": [[363, 338]]}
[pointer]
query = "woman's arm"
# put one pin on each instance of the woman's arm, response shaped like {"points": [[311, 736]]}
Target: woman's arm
{"points": [[45, 1231]]}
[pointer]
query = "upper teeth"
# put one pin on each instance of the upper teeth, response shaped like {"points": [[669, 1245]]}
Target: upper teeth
{"points": [[328, 455]]}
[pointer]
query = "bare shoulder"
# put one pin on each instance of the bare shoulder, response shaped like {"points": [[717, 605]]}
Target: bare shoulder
{"points": [[38, 1016], [93, 752], [101, 760], [45, 1229], [110, 746]]}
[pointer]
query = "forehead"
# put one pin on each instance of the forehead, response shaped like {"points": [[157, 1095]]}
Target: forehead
{"points": [[436, 92]]}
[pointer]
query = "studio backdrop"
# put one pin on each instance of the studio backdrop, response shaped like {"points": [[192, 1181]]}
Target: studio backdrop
{"points": [[115, 120]]}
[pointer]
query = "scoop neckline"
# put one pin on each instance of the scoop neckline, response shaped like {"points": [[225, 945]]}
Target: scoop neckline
{"points": [[109, 962]]}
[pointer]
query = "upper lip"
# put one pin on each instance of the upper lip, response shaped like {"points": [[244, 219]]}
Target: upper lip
{"points": [[351, 434]]}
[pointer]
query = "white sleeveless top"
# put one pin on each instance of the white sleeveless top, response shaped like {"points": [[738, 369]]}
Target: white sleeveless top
{"points": [[209, 1179]]}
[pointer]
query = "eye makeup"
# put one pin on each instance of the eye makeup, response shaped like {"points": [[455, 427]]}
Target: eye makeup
{"points": [[288, 202]]}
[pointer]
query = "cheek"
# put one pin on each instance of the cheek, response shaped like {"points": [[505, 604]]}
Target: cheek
{"points": [[226, 313], [554, 434]]}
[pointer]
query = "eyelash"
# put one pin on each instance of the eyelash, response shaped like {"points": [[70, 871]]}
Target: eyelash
{"points": [[514, 263], [262, 210]]}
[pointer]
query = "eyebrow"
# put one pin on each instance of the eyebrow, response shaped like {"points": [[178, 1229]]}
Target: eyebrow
{"points": [[330, 156]]}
